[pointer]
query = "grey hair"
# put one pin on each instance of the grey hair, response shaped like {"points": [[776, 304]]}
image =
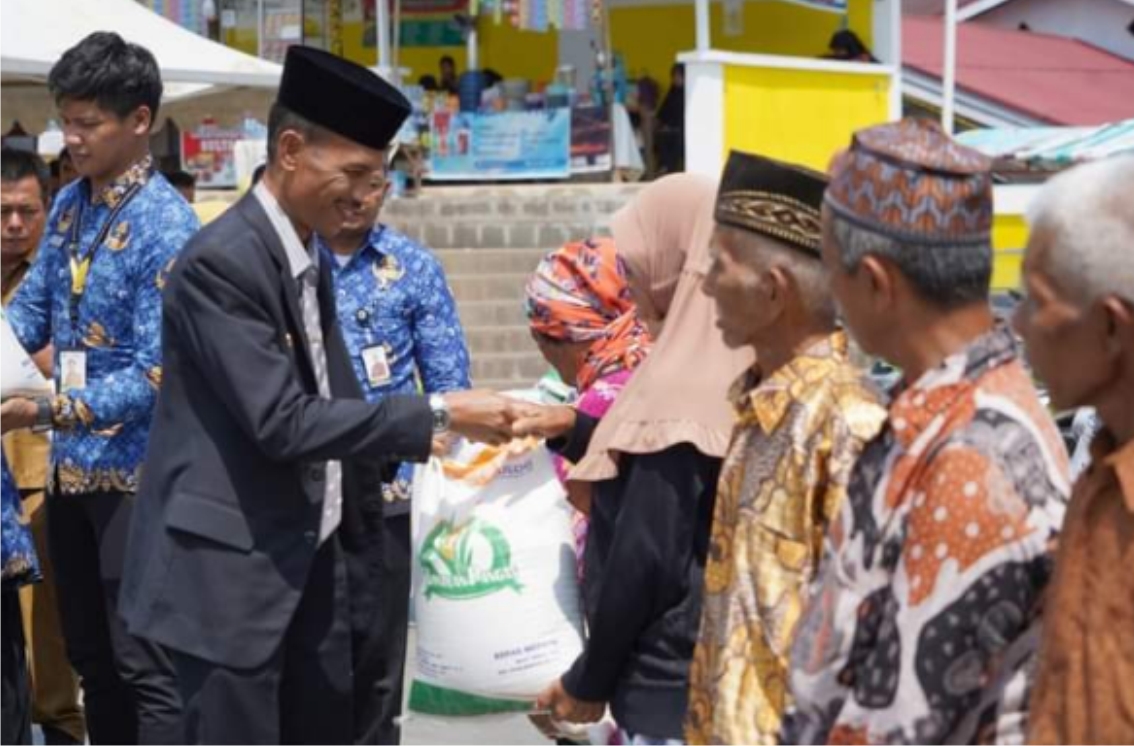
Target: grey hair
{"points": [[1088, 214], [808, 272], [946, 275]]}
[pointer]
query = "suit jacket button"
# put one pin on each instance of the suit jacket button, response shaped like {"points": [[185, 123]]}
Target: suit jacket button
{"points": [[310, 536]]}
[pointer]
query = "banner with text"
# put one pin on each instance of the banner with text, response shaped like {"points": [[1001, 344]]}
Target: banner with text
{"points": [[209, 157], [503, 145]]}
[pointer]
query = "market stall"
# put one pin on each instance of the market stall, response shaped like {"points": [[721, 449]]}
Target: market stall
{"points": [[794, 106]]}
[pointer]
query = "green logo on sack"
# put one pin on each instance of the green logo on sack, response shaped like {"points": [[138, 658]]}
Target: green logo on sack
{"points": [[469, 560]]}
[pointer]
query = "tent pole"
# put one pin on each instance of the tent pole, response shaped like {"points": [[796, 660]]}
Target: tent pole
{"points": [[382, 32], [608, 81], [949, 67], [260, 28], [396, 35], [701, 7], [471, 47]]}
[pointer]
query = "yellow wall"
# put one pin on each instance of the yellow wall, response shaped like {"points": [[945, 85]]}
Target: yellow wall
{"points": [[518, 54], [651, 37], [797, 115], [782, 28], [509, 51], [1009, 236]]}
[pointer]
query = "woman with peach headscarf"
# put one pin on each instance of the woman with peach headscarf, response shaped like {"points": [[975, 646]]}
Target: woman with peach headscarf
{"points": [[652, 462]]}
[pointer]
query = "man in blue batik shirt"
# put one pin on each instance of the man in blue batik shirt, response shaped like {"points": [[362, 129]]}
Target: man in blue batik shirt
{"points": [[401, 328], [94, 293]]}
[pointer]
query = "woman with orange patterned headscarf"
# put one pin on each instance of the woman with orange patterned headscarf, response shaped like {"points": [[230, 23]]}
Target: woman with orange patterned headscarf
{"points": [[583, 317], [585, 323]]}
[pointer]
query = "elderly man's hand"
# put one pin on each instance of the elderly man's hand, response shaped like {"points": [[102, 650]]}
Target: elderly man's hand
{"points": [[482, 416], [563, 707], [17, 414], [542, 421], [443, 444]]}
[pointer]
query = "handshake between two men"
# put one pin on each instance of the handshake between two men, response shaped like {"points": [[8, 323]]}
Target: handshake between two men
{"points": [[488, 417]]}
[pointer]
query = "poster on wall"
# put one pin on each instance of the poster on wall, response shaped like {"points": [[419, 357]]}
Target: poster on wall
{"points": [[502, 145], [590, 140], [283, 27], [210, 157]]}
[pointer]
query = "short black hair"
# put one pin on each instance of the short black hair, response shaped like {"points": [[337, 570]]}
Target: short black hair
{"points": [[449, 60], [181, 179], [118, 76], [17, 165], [281, 118], [427, 82], [258, 173]]}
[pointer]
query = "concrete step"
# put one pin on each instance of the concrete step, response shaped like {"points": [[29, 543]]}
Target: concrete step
{"points": [[490, 261], [523, 368], [481, 313], [506, 384], [497, 233], [495, 339], [530, 202], [481, 287]]}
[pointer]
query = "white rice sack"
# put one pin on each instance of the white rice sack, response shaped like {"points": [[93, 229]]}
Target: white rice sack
{"points": [[20, 375], [496, 598]]}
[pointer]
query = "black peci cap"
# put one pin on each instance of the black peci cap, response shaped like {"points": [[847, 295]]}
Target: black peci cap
{"points": [[342, 96], [772, 198]]}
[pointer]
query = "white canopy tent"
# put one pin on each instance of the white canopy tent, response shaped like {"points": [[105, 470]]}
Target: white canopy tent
{"points": [[34, 34]]}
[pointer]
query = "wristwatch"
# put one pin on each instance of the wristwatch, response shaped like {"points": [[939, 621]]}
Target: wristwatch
{"points": [[441, 417], [43, 414]]}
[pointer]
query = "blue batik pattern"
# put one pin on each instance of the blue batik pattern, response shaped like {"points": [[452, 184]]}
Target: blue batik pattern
{"points": [[18, 549], [101, 430], [393, 293]]}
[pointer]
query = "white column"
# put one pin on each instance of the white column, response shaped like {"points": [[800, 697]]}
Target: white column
{"points": [[949, 67], [704, 118], [887, 29], [473, 62], [701, 7], [382, 32]]}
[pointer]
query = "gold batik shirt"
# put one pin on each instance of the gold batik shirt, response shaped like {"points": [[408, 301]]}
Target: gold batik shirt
{"points": [[797, 437]]}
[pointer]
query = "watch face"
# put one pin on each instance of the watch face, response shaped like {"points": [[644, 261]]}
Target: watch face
{"points": [[440, 420]]}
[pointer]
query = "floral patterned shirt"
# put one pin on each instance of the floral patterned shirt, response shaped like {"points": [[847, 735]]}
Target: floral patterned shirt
{"points": [[797, 437], [392, 294], [20, 565], [102, 429], [922, 628]]}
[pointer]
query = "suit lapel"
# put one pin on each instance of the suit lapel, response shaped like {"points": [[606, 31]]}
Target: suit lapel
{"points": [[289, 288]]}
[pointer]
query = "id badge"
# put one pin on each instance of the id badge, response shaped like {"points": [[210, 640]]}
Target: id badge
{"points": [[73, 370], [376, 364]]}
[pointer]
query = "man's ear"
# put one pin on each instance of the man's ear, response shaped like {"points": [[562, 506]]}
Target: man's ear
{"points": [[141, 120], [290, 144], [780, 285], [1119, 325], [879, 275]]}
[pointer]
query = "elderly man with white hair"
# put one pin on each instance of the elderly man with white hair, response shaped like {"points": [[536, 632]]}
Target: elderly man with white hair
{"points": [[1078, 325]]}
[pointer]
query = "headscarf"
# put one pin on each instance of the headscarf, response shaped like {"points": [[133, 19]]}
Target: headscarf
{"points": [[680, 393], [578, 293]]}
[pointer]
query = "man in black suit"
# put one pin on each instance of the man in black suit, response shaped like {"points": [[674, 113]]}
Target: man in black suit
{"points": [[255, 548]]}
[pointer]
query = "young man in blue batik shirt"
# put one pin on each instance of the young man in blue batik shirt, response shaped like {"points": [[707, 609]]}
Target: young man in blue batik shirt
{"points": [[94, 293], [401, 328]]}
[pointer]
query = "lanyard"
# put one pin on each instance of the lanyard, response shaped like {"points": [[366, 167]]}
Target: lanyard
{"points": [[80, 268]]}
